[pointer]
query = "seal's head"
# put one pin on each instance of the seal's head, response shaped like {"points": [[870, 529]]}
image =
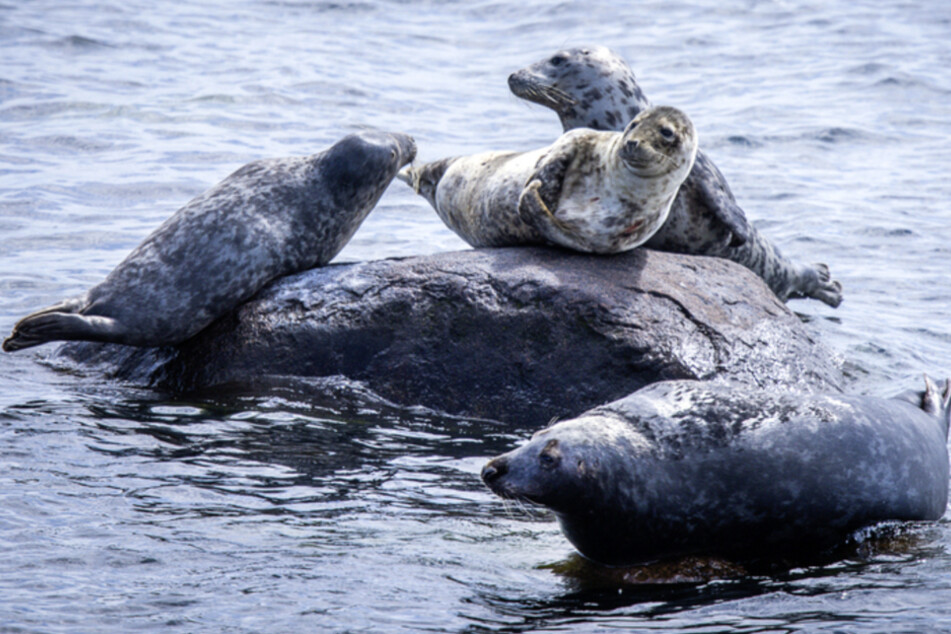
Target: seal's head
{"points": [[370, 151], [580, 469], [364, 158], [659, 141], [563, 466], [588, 87]]}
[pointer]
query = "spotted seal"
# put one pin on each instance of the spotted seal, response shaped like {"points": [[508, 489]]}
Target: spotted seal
{"points": [[595, 88], [682, 467], [596, 192], [270, 218]]}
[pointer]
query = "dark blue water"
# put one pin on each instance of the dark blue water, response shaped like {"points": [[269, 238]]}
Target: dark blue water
{"points": [[121, 510]]}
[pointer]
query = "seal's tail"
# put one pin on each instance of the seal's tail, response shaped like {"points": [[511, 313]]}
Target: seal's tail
{"points": [[424, 178], [938, 402]]}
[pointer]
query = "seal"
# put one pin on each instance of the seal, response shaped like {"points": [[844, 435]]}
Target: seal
{"points": [[269, 218], [593, 87], [591, 191], [688, 467]]}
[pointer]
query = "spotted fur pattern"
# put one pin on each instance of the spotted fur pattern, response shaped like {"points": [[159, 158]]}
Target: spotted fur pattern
{"points": [[591, 191], [270, 218], [594, 87], [683, 467]]}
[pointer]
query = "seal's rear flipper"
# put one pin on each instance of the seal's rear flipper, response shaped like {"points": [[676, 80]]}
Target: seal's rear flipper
{"points": [[48, 325], [825, 289], [425, 178], [938, 402], [715, 194]]}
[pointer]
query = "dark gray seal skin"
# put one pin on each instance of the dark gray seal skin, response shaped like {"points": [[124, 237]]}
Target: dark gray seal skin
{"points": [[270, 218], [687, 467], [591, 191], [595, 88]]}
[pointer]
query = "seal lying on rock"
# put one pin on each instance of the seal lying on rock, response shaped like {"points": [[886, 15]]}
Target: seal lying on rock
{"points": [[268, 219], [597, 192], [592, 87], [683, 467]]}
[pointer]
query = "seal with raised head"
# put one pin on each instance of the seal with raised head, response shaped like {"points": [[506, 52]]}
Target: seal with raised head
{"points": [[686, 467], [270, 218], [592, 87], [591, 191]]}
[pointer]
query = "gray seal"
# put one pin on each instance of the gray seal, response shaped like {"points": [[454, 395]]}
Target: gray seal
{"points": [[687, 467], [595, 88], [591, 191], [270, 218]]}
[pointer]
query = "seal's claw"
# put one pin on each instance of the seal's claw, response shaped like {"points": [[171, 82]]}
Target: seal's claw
{"points": [[830, 294], [532, 207]]}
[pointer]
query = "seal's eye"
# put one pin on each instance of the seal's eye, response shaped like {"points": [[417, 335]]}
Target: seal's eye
{"points": [[557, 60], [550, 455], [667, 133]]}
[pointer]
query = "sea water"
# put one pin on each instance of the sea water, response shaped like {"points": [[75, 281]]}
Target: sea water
{"points": [[124, 510]]}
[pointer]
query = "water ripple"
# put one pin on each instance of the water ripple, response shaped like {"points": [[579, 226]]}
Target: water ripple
{"points": [[288, 508]]}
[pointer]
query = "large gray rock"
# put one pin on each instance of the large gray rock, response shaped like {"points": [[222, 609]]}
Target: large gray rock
{"points": [[520, 334]]}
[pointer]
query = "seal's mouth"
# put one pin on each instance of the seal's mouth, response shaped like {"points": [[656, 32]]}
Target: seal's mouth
{"points": [[642, 157], [493, 474], [532, 88], [407, 146]]}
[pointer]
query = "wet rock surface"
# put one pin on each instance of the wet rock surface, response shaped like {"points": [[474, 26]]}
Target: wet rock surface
{"points": [[519, 334]]}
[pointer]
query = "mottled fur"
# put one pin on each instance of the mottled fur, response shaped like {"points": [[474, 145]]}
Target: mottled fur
{"points": [[270, 218], [684, 467], [593, 87], [597, 192]]}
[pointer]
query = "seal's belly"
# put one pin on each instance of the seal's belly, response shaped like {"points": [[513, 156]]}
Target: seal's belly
{"points": [[477, 198], [610, 217]]}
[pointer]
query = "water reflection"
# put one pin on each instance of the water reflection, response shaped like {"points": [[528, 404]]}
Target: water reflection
{"points": [[652, 596], [276, 452]]}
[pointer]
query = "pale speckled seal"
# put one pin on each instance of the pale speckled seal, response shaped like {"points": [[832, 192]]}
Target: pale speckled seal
{"points": [[682, 467], [270, 218], [591, 191], [595, 88]]}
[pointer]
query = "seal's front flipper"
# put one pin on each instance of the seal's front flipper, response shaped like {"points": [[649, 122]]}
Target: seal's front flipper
{"points": [[534, 210], [715, 195], [550, 171], [47, 326], [539, 199], [424, 178]]}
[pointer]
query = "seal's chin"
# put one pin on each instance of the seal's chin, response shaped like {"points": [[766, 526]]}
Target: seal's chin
{"points": [[532, 88], [506, 491]]}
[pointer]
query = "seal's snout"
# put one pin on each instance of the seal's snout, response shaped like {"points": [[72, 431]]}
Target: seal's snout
{"points": [[516, 82], [407, 147], [493, 470]]}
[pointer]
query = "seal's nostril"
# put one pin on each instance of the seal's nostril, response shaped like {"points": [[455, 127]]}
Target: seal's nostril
{"points": [[493, 470]]}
